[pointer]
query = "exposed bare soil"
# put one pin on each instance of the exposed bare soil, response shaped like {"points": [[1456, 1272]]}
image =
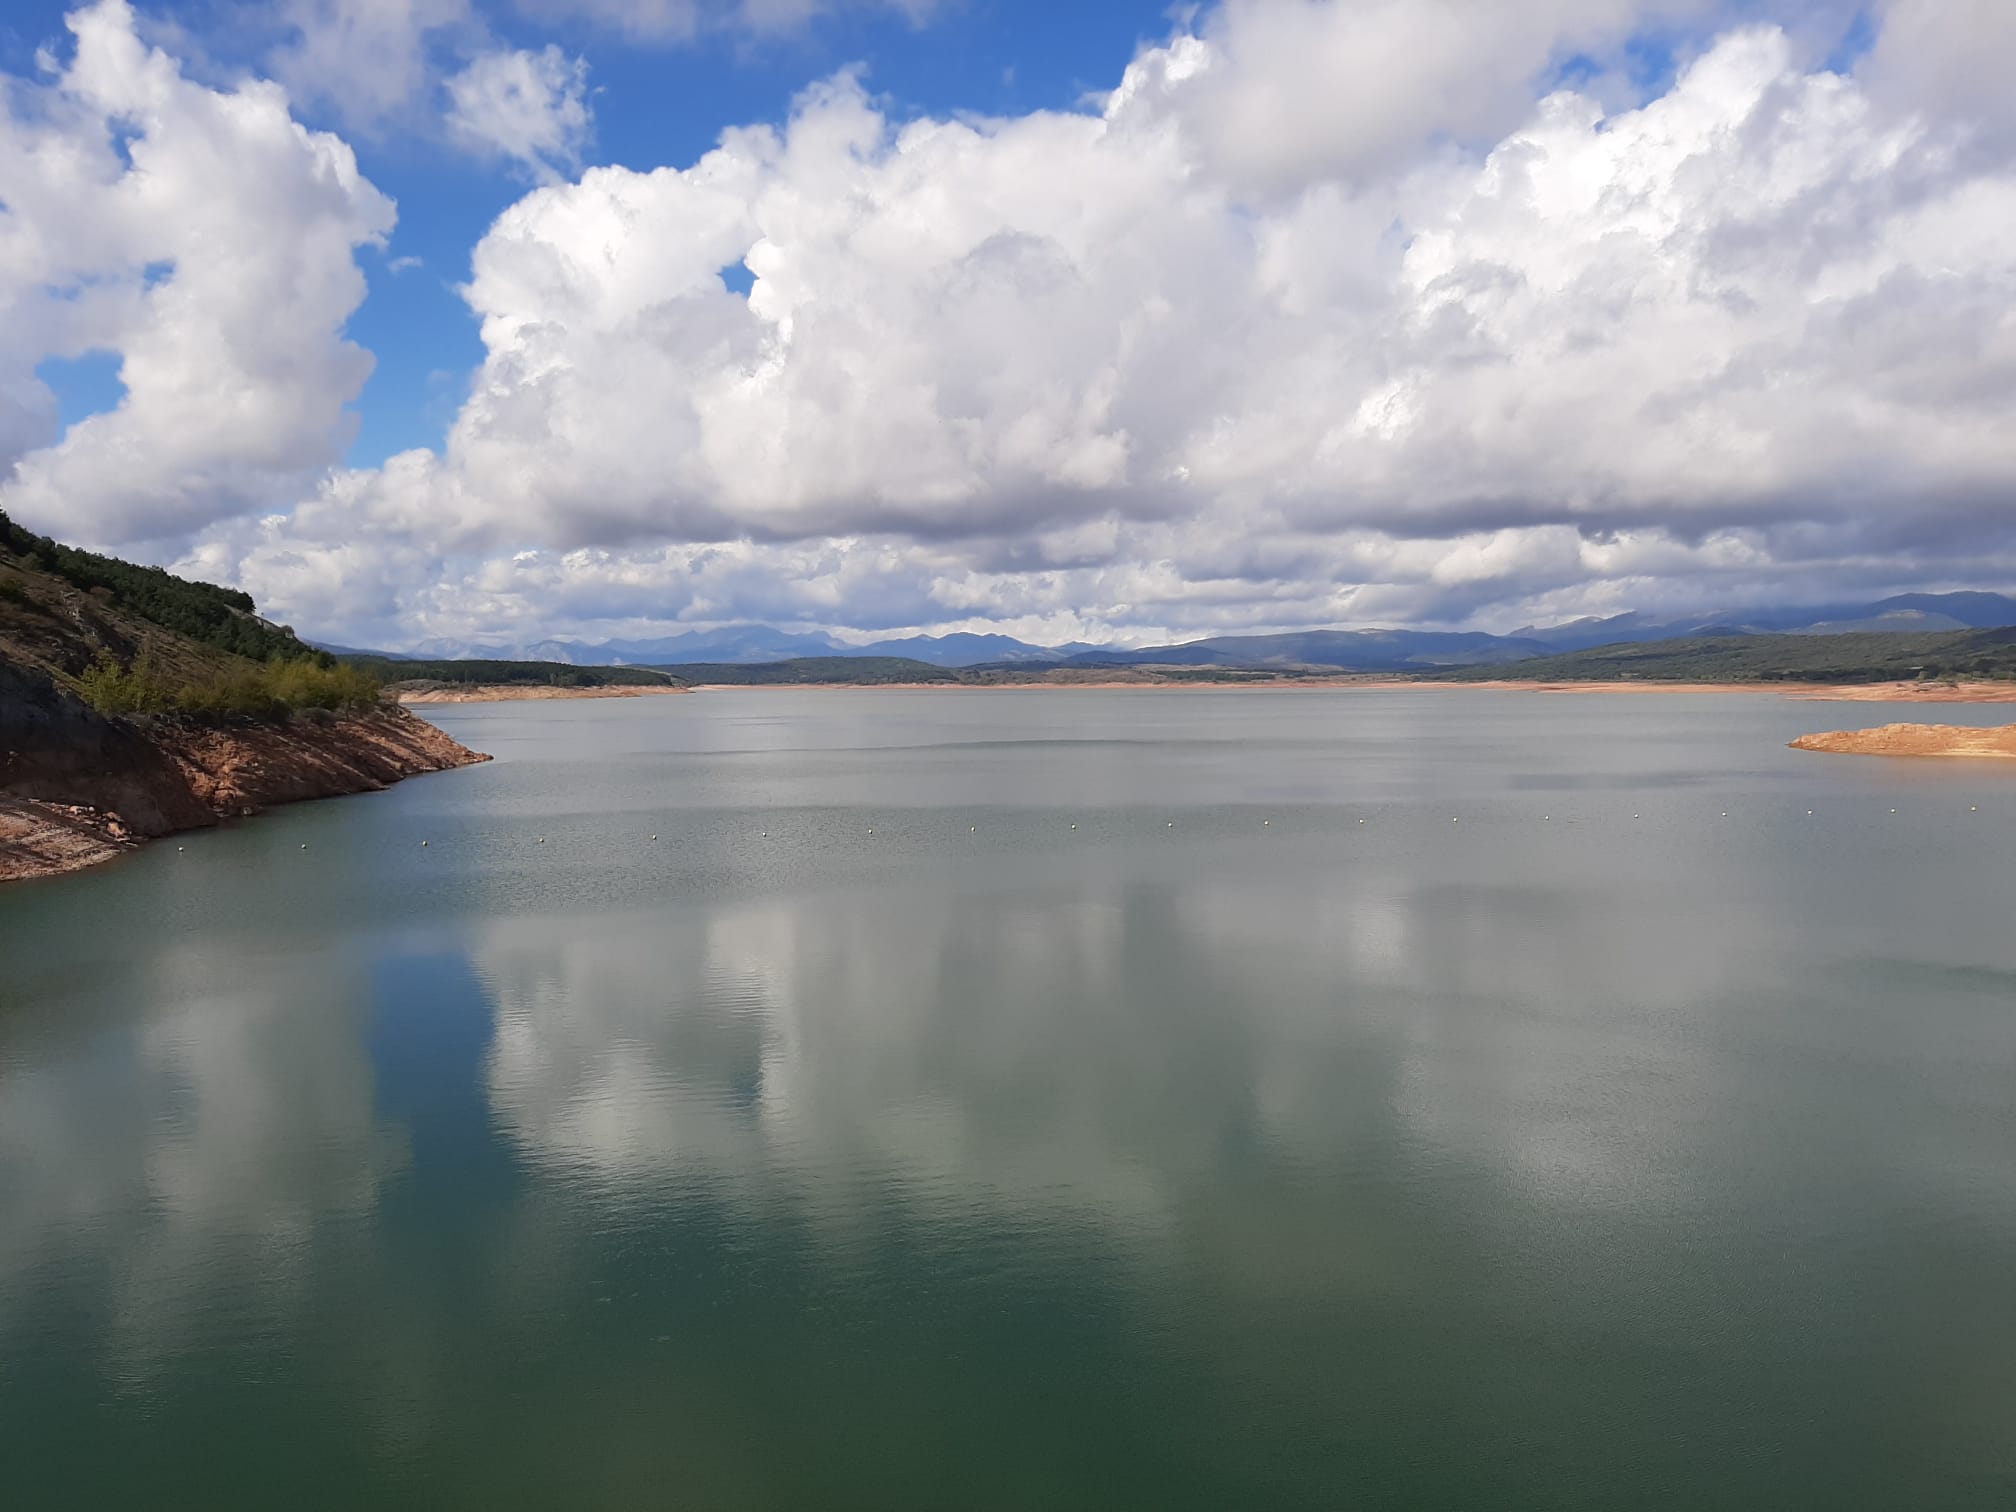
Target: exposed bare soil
{"points": [[508, 693], [1996, 742]]}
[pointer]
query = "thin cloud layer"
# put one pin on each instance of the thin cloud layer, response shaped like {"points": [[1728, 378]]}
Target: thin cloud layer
{"points": [[1320, 316], [525, 106]]}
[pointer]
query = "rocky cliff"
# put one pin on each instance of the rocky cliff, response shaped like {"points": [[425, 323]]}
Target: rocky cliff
{"points": [[79, 786]]}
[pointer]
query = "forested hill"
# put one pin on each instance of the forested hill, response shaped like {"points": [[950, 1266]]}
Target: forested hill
{"points": [[504, 674], [1855, 658], [138, 641], [222, 618]]}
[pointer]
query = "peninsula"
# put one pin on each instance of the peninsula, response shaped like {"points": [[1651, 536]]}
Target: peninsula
{"points": [[1994, 742], [134, 704]]}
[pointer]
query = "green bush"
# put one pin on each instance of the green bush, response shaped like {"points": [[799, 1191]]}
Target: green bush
{"points": [[112, 689], [273, 691]]}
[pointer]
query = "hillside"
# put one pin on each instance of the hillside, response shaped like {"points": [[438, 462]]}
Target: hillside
{"points": [[218, 619], [134, 703], [402, 672], [856, 671], [1853, 658]]}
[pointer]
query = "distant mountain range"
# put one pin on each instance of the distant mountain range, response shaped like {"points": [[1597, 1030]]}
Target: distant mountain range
{"points": [[745, 644], [1359, 650], [1347, 650], [1906, 613]]}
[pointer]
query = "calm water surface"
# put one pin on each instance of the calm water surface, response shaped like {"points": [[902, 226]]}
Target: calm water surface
{"points": [[872, 1138]]}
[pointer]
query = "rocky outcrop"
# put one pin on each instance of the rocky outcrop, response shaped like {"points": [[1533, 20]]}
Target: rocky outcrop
{"points": [[56, 748], [77, 787], [243, 769]]}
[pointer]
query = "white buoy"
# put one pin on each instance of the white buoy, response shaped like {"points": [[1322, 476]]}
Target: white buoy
{"points": [[654, 837], [975, 828], [871, 831], [542, 839], [304, 845], [1266, 821], [423, 845]]}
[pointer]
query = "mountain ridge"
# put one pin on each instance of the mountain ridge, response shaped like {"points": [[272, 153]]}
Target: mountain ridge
{"points": [[1365, 649]]}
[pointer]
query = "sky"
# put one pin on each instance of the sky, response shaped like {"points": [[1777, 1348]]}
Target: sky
{"points": [[450, 323]]}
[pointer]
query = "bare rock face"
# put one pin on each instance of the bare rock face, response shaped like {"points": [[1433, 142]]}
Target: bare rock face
{"points": [[77, 787], [242, 769], [57, 748]]}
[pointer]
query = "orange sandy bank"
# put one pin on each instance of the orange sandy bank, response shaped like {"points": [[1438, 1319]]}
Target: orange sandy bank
{"points": [[1916, 740], [1890, 692], [506, 692]]}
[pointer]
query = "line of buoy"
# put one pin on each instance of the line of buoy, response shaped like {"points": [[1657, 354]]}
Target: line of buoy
{"points": [[1972, 808]]}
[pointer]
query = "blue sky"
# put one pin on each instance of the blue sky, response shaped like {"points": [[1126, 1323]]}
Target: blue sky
{"points": [[654, 105], [477, 322]]}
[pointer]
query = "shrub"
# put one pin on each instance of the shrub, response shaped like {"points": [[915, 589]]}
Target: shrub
{"points": [[275, 690], [112, 689]]}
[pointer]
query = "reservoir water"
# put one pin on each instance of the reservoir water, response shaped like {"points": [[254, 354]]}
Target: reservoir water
{"points": [[1034, 1099]]}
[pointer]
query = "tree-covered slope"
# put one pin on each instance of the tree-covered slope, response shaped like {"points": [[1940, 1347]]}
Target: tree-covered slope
{"points": [[222, 618], [133, 640], [1777, 658]]}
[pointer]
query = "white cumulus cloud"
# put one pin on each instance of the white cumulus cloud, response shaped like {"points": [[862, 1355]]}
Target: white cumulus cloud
{"points": [[207, 239], [1322, 315]]}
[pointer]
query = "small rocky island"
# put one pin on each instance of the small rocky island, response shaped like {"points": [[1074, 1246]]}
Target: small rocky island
{"points": [[1997, 741]]}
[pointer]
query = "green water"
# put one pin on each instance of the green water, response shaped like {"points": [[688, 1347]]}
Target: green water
{"points": [[1267, 1140]]}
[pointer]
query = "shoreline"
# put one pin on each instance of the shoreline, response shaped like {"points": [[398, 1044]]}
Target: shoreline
{"points": [[1890, 692], [511, 693], [1989, 743], [77, 809]]}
